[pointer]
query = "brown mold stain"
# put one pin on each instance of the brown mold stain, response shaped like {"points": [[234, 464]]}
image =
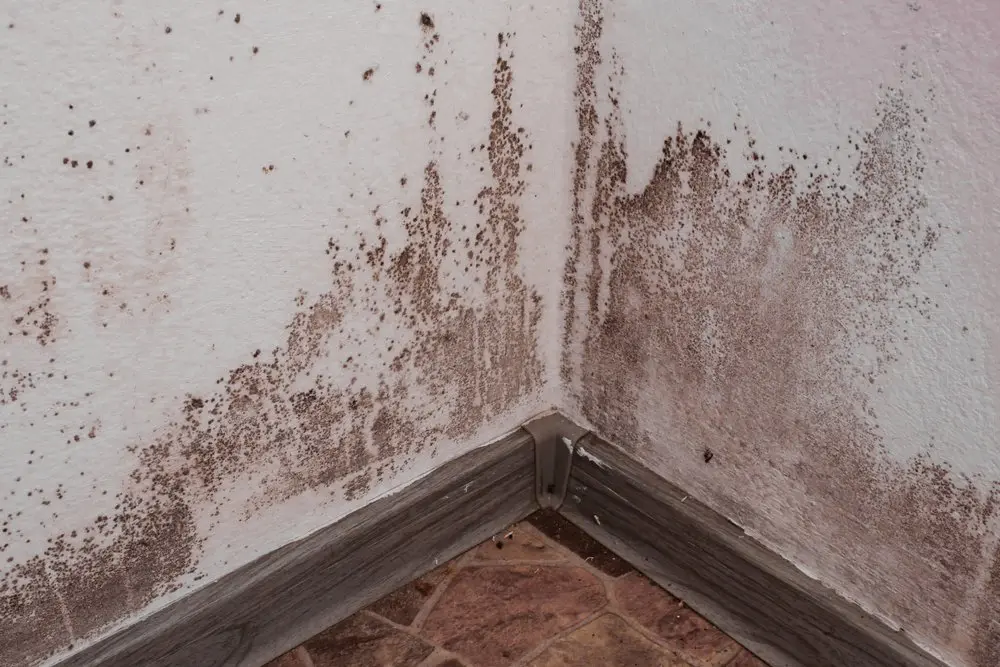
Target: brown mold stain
{"points": [[728, 311], [986, 650], [28, 299], [277, 421]]}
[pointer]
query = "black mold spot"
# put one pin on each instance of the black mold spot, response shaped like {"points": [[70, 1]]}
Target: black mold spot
{"points": [[698, 290], [464, 361]]}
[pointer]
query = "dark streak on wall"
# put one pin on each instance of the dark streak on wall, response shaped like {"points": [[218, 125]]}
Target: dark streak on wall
{"points": [[718, 314], [462, 360]]}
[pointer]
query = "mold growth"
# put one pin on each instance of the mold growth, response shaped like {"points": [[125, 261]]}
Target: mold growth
{"points": [[749, 321], [461, 332], [26, 301], [986, 650]]}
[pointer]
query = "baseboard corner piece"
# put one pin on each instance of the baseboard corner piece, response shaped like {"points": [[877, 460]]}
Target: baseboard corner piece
{"points": [[555, 439]]}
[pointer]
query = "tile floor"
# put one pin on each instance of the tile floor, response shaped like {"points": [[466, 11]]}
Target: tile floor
{"points": [[543, 594]]}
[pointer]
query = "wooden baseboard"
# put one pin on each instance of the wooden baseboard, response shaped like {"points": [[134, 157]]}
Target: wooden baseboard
{"points": [[282, 599], [749, 592], [275, 603]]}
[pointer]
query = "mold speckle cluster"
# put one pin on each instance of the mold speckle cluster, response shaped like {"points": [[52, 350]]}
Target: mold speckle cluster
{"points": [[457, 354], [723, 317]]}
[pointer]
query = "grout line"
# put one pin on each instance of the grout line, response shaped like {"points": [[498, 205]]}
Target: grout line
{"points": [[643, 631], [568, 559], [387, 621], [303, 655], [541, 648], [734, 658], [575, 558], [518, 562], [737, 656], [613, 605], [652, 637], [417, 624], [413, 632], [439, 655]]}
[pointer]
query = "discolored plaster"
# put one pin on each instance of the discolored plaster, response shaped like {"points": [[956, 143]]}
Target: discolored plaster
{"points": [[457, 354], [755, 318], [721, 316], [986, 649]]}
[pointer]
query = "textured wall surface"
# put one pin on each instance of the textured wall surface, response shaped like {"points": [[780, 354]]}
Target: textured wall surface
{"points": [[260, 264], [782, 289]]}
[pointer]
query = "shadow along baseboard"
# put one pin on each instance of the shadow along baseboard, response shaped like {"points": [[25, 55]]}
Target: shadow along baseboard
{"points": [[275, 603], [752, 594], [263, 609]]}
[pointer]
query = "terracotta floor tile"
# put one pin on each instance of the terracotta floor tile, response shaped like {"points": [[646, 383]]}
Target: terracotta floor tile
{"points": [[560, 529], [402, 605], [287, 660], [747, 659], [684, 631], [363, 641], [607, 641], [442, 659], [524, 543], [491, 615], [499, 606]]}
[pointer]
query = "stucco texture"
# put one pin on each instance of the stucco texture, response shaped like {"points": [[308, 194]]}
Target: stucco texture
{"points": [[263, 264], [781, 290]]}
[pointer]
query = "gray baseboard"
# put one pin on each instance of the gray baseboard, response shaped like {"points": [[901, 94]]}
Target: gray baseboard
{"points": [[748, 591], [277, 602], [271, 605]]}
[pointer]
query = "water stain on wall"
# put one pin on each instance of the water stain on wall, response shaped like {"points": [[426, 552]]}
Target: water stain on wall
{"points": [[460, 354], [752, 318]]}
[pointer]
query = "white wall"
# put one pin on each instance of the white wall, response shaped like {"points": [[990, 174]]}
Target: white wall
{"points": [[243, 304], [246, 287], [812, 352]]}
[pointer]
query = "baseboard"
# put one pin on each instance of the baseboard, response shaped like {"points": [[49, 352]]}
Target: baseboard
{"points": [[275, 603], [749, 592]]}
